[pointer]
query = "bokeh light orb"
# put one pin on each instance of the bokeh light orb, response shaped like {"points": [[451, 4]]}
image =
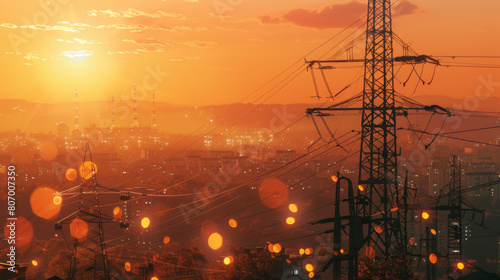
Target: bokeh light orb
{"points": [[277, 248], [128, 266], [309, 267], [433, 231], [273, 193], [293, 208], [215, 241], [370, 252], [48, 151], [228, 260], [71, 174], [290, 220], [233, 223], [57, 200], [335, 178], [86, 169], [308, 251], [117, 212], [23, 232], [145, 222], [460, 265], [79, 228], [361, 188], [166, 239], [301, 251], [270, 247], [425, 215], [43, 204], [433, 258], [311, 274], [34, 263]]}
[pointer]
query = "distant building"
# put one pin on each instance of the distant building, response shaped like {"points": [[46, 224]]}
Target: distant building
{"points": [[482, 172], [285, 156]]}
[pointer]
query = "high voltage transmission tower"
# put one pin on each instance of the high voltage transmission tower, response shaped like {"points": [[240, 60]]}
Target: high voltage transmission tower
{"points": [[89, 258], [382, 209]]}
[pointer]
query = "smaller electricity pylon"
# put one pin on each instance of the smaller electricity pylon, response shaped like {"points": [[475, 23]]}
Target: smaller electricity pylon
{"points": [[354, 227], [89, 258], [454, 207]]}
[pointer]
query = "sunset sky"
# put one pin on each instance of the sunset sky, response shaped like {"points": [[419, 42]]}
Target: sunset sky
{"points": [[212, 52]]}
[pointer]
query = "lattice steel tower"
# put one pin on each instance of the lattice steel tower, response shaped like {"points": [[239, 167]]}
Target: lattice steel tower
{"points": [[454, 218], [89, 259], [378, 155]]}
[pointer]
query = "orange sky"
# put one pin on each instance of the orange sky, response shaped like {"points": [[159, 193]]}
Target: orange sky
{"points": [[217, 51]]}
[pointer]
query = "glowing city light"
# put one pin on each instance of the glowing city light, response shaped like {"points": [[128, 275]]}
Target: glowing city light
{"points": [[309, 267], [34, 263], [433, 231], [460, 265], [335, 178], [425, 215], [290, 220], [361, 188], [128, 266]]}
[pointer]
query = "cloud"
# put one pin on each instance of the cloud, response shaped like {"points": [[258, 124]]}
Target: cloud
{"points": [[145, 42], [75, 54], [8, 25], [78, 41], [43, 27], [333, 16], [336, 15], [184, 59], [269, 19], [137, 27], [199, 44], [404, 8], [131, 13]]}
